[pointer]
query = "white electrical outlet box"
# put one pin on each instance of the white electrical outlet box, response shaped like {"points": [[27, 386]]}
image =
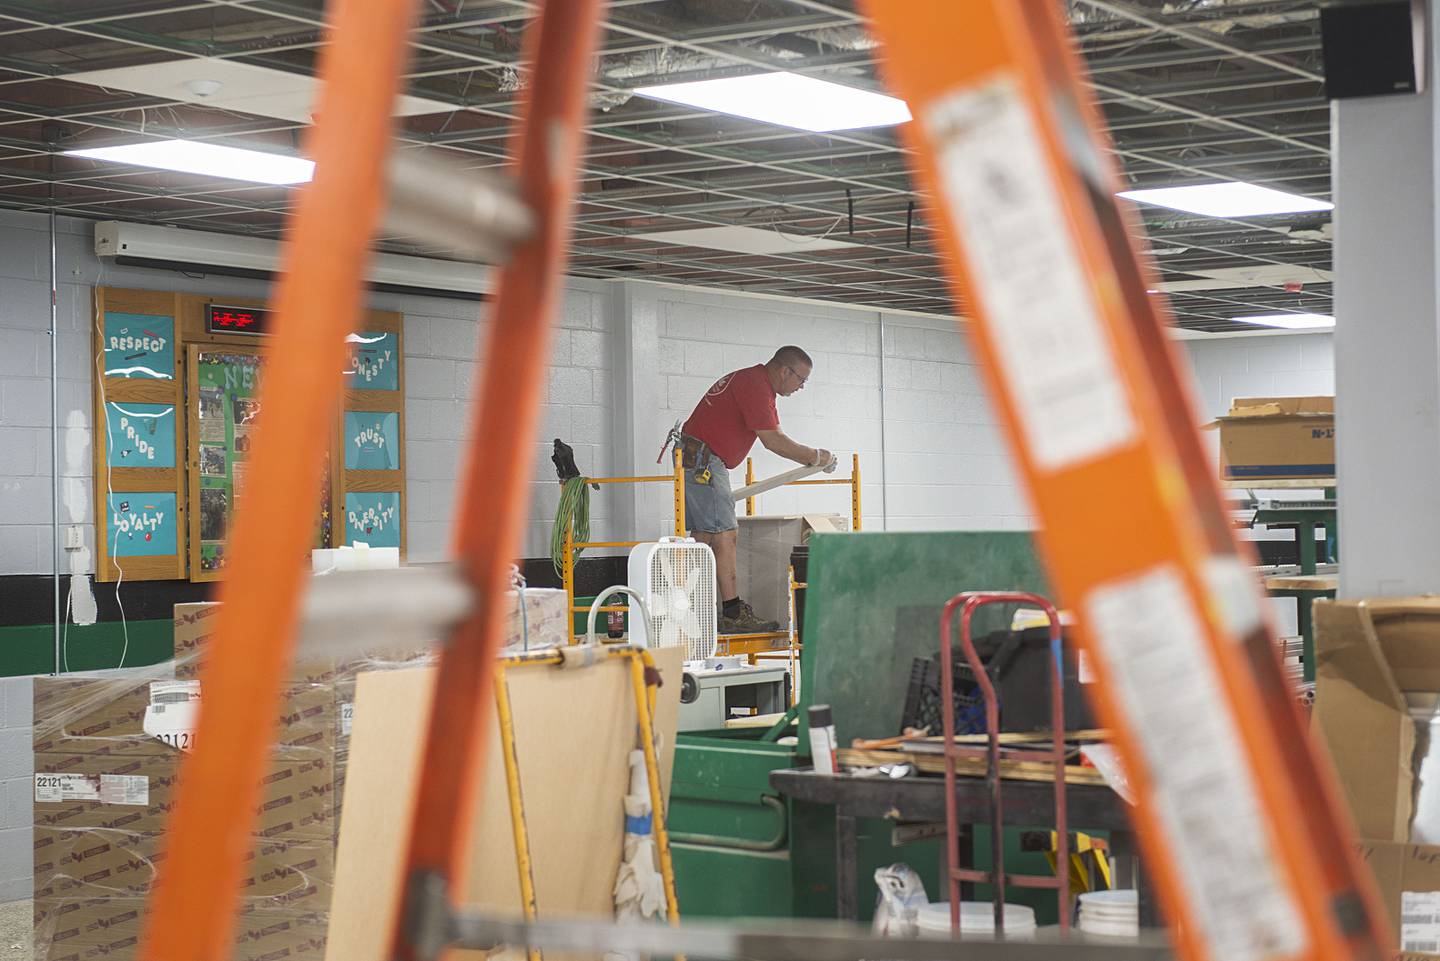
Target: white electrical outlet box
{"points": [[74, 538]]}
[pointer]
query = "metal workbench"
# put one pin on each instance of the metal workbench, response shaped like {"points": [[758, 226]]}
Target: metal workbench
{"points": [[921, 800]]}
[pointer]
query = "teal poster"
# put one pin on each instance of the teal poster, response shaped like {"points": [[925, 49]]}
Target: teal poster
{"points": [[140, 346], [372, 440], [372, 519], [140, 435], [142, 525], [374, 362]]}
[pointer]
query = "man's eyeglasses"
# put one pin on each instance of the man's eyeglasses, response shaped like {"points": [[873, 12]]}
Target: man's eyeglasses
{"points": [[797, 375]]}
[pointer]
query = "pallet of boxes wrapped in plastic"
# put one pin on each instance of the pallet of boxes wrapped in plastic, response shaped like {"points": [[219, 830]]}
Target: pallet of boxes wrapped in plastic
{"points": [[107, 755]]}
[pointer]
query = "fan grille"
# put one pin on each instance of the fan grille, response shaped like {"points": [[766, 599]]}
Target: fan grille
{"points": [[681, 595]]}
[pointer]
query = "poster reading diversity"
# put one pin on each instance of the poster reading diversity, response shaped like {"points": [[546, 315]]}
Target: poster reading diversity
{"points": [[372, 519], [227, 410]]}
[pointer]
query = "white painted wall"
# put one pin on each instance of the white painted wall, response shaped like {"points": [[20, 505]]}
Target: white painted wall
{"points": [[629, 359]]}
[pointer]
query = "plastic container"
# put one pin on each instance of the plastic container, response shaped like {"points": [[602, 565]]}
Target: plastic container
{"points": [[976, 917]]}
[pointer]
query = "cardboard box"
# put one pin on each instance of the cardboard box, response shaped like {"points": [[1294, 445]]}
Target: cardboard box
{"points": [[1408, 876], [137, 794], [1277, 438], [762, 563], [1376, 661]]}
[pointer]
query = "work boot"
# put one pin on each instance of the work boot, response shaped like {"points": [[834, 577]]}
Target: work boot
{"points": [[746, 621]]}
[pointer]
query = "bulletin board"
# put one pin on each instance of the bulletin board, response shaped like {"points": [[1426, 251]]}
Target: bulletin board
{"points": [[139, 468], [370, 499], [182, 442]]}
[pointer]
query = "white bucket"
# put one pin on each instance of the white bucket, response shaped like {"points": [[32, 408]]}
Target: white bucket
{"points": [[976, 917]]}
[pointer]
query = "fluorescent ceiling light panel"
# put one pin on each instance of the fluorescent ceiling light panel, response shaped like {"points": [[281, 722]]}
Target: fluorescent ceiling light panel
{"points": [[787, 100], [745, 240], [1227, 199], [242, 87], [1289, 321], [207, 160]]}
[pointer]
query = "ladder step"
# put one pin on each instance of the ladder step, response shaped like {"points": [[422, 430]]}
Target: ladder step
{"points": [[794, 940], [475, 213], [353, 613]]}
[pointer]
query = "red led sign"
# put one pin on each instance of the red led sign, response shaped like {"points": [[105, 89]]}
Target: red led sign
{"points": [[236, 320]]}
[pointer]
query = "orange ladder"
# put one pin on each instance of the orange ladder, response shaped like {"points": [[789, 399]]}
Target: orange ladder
{"points": [[1241, 823], [1240, 820], [319, 298]]}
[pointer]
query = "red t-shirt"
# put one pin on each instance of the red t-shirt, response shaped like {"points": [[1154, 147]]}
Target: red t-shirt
{"points": [[739, 405]]}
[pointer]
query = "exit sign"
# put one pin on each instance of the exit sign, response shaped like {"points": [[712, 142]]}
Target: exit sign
{"points": [[220, 319]]}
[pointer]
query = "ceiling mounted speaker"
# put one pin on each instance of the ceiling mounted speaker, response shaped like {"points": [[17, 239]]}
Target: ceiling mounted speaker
{"points": [[1373, 47]]}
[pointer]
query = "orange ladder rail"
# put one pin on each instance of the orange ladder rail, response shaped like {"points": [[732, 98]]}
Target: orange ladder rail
{"points": [[1241, 823], [493, 499], [317, 302]]}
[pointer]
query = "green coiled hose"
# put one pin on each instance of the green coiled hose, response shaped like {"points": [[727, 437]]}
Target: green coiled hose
{"points": [[574, 509]]}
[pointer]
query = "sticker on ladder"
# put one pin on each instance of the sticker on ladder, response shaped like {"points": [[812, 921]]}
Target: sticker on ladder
{"points": [[1149, 640], [1050, 343]]}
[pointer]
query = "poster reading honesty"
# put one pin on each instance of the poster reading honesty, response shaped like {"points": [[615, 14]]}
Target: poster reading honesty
{"points": [[374, 361]]}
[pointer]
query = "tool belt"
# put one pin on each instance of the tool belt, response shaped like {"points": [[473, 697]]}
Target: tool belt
{"points": [[693, 452]]}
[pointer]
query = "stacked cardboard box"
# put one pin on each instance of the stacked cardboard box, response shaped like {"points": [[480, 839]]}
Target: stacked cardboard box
{"points": [[1377, 676], [107, 753]]}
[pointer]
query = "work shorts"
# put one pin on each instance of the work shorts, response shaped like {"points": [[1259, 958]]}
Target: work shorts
{"points": [[709, 508]]}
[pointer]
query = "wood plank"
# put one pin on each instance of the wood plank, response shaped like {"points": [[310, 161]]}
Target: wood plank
{"points": [[131, 390], [137, 479], [573, 778], [1303, 582], [935, 764], [1279, 484], [374, 481]]}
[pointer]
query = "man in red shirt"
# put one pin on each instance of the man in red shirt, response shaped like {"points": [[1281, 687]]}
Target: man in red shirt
{"points": [[737, 410]]}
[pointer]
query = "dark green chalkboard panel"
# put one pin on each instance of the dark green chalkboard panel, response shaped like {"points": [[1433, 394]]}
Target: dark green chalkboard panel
{"points": [[873, 605]]}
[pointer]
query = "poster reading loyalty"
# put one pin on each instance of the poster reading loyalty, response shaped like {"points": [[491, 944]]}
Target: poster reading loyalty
{"points": [[374, 361], [140, 435], [372, 519], [142, 525], [140, 346]]}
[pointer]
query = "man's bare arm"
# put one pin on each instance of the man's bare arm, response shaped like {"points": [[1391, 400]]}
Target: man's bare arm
{"points": [[778, 442]]}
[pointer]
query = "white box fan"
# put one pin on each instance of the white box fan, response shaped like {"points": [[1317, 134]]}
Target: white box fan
{"points": [[676, 576]]}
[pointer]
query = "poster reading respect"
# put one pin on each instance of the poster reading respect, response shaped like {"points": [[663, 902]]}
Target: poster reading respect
{"points": [[140, 435], [374, 361], [141, 525], [139, 345], [372, 440], [372, 519], [228, 385]]}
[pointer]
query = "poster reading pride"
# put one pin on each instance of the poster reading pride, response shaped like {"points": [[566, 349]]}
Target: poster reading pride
{"points": [[374, 361], [140, 346], [140, 435], [142, 525], [373, 519]]}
